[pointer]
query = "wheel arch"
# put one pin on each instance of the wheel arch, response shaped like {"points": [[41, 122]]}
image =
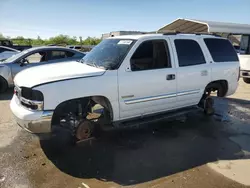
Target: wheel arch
{"points": [[216, 85], [2, 79], [102, 100]]}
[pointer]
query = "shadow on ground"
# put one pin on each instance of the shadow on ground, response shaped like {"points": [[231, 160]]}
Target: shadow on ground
{"points": [[6, 95], [139, 155]]}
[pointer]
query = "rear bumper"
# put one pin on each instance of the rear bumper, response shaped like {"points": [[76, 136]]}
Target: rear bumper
{"points": [[31, 121], [245, 73]]}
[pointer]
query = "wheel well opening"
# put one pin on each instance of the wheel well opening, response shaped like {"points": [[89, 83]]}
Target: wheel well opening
{"points": [[219, 86], [91, 107]]}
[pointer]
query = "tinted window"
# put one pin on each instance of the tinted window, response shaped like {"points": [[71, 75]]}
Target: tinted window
{"points": [[69, 54], [189, 52], [221, 50], [150, 55], [57, 54]]}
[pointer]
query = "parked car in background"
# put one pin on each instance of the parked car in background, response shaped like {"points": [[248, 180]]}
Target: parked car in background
{"points": [[76, 47], [137, 78], [34, 57], [84, 48], [9, 43], [6, 52]]}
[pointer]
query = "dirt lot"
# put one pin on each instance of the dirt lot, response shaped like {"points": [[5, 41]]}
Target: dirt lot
{"points": [[165, 154]]}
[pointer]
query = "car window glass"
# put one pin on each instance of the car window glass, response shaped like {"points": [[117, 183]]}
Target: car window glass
{"points": [[221, 50], [5, 50], [69, 54], [189, 52], [36, 57], [151, 55], [245, 44], [57, 54]]}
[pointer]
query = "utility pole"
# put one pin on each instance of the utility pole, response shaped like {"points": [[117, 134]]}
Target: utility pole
{"points": [[81, 42]]}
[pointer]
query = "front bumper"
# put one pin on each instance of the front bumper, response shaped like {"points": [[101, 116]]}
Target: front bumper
{"points": [[245, 74], [32, 121]]}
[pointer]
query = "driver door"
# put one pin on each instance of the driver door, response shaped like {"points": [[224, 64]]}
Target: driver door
{"points": [[30, 60]]}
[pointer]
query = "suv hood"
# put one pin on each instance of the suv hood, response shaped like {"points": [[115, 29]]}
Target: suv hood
{"points": [[55, 72]]}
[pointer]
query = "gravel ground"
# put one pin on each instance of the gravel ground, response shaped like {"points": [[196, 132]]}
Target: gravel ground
{"points": [[163, 154]]}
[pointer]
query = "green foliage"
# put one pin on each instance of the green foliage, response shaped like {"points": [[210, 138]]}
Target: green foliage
{"points": [[1, 36], [91, 41], [57, 40]]}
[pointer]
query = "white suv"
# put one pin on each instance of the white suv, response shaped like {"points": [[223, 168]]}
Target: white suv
{"points": [[124, 79]]}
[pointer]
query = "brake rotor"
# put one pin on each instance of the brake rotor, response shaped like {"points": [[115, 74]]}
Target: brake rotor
{"points": [[84, 130]]}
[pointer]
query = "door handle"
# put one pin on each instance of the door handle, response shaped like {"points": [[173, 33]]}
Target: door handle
{"points": [[170, 77]]}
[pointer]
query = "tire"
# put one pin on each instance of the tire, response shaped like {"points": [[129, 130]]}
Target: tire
{"points": [[3, 85], [246, 80], [208, 107]]}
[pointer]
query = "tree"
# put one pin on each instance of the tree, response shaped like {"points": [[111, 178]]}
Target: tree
{"points": [[91, 41], [1, 36], [37, 42], [57, 40]]}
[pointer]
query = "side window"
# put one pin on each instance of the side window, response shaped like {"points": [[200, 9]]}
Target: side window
{"points": [[58, 54], [5, 50], [69, 54], [78, 47], [221, 50], [151, 55], [36, 57], [245, 44], [189, 52]]}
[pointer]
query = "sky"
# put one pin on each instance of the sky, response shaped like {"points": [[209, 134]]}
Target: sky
{"points": [[47, 18]]}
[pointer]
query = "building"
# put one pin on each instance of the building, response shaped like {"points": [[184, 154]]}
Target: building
{"points": [[119, 33]]}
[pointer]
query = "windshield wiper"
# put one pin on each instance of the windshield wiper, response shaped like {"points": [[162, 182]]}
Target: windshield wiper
{"points": [[92, 64]]}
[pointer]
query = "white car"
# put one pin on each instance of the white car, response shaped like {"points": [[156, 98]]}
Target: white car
{"points": [[6, 52], [244, 56], [125, 80]]}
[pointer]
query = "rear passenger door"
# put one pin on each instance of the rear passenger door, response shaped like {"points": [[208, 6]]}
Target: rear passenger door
{"points": [[193, 72]]}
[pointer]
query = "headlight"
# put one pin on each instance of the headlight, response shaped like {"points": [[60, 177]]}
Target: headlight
{"points": [[31, 99], [31, 94]]}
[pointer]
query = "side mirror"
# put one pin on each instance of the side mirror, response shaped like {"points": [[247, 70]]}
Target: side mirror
{"points": [[22, 62]]}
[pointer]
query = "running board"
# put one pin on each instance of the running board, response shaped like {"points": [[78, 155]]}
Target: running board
{"points": [[159, 117]]}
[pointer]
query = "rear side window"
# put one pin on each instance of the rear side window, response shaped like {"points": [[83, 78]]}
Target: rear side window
{"points": [[221, 50], [189, 52], [57, 54]]}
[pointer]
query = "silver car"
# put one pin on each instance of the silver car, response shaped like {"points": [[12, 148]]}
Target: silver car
{"points": [[6, 52], [34, 57]]}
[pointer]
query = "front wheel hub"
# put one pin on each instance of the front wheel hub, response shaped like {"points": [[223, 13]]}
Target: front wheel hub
{"points": [[84, 130]]}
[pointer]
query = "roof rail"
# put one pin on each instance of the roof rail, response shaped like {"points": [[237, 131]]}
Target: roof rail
{"points": [[195, 33]]}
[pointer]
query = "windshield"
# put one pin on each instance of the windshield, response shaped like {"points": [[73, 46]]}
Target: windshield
{"points": [[108, 54], [16, 56]]}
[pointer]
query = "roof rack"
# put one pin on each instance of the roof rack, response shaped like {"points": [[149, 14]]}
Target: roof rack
{"points": [[195, 33]]}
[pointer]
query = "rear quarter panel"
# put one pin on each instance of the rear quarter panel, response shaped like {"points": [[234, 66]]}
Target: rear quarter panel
{"points": [[228, 71]]}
